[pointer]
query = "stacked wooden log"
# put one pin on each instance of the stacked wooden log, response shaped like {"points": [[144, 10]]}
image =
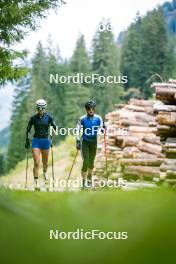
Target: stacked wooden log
{"points": [[133, 148], [142, 138], [165, 110]]}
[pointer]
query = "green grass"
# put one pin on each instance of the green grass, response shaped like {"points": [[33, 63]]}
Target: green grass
{"points": [[149, 217]]}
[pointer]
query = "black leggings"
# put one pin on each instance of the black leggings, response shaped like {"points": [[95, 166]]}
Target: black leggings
{"points": [[88, 150]]}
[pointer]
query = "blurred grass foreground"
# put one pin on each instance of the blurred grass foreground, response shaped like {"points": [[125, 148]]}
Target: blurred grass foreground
{"points": [[149, 217]]}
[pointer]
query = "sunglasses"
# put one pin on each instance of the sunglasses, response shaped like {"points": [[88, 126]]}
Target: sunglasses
{"points": [[40, 108], [91, 108]]}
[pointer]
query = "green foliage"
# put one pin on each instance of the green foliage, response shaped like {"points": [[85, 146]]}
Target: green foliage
{"points": [[147, 50], [80, 60], [105, 61], [2, 164], [17, 19], [65, 100], [29, 89], [4, 139], [20, 115], [132, 93], [77, 94]]}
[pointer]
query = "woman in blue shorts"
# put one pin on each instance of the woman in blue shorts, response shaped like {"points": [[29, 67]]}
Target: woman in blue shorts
{"points": [[40, 142]]}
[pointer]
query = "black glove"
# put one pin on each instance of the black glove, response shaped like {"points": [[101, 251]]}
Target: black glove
{"points": [[27, 143], [103, 129], [78, 144]]}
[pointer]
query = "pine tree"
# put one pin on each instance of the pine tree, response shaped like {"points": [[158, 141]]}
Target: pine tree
{"points": [[2, 164], [131, 54], [16, 20], [19, 118], [55, 93], [105, 61], [28, 90], [158, 53], [147, 51], [77, 94], [80, 59], [31, 88]]}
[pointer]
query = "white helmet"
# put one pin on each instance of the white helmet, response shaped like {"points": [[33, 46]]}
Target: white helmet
{"points": [[41, 103]]}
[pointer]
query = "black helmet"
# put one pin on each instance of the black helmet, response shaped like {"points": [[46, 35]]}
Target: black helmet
{"points": [[90, 104]]}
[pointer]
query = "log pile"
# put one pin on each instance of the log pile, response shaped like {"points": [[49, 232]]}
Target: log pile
{"points": [[142, 139], [165, 111], [134, 149]]}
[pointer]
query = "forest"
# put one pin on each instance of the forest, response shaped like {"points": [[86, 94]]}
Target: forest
{"points": [[131, 76], [146, 54]]}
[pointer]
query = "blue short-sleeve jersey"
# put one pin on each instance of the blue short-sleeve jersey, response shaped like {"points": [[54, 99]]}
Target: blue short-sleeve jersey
{"points": [[90, 126]]}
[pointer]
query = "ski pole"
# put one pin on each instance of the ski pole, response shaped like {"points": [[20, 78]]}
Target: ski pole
{"points": [[105, 150], [72, 165], [52, 158], [26, 168]]}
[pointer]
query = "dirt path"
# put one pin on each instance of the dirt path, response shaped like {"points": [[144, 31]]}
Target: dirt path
{"points": [[63, 158]]}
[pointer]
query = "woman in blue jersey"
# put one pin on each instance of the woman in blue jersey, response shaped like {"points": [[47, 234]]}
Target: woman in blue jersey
{"points": [[87, 142], [41, 122]]}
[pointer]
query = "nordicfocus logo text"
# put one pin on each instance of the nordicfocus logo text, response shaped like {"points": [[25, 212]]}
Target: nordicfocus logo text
{"points": [[81, 78], [110, 130], [87, 235]]}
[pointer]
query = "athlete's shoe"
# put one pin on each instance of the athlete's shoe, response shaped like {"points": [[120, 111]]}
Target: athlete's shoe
{"points": [[87, 184], [83, 187], [46, 179], [36, 185]]}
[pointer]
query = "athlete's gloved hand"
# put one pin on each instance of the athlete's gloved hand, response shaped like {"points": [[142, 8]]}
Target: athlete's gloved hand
{"points": [[103, 129], [27, 143], [78, 144]]}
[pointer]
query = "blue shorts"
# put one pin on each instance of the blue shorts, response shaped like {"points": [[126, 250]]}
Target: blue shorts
{"points": [[41, 143]]}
